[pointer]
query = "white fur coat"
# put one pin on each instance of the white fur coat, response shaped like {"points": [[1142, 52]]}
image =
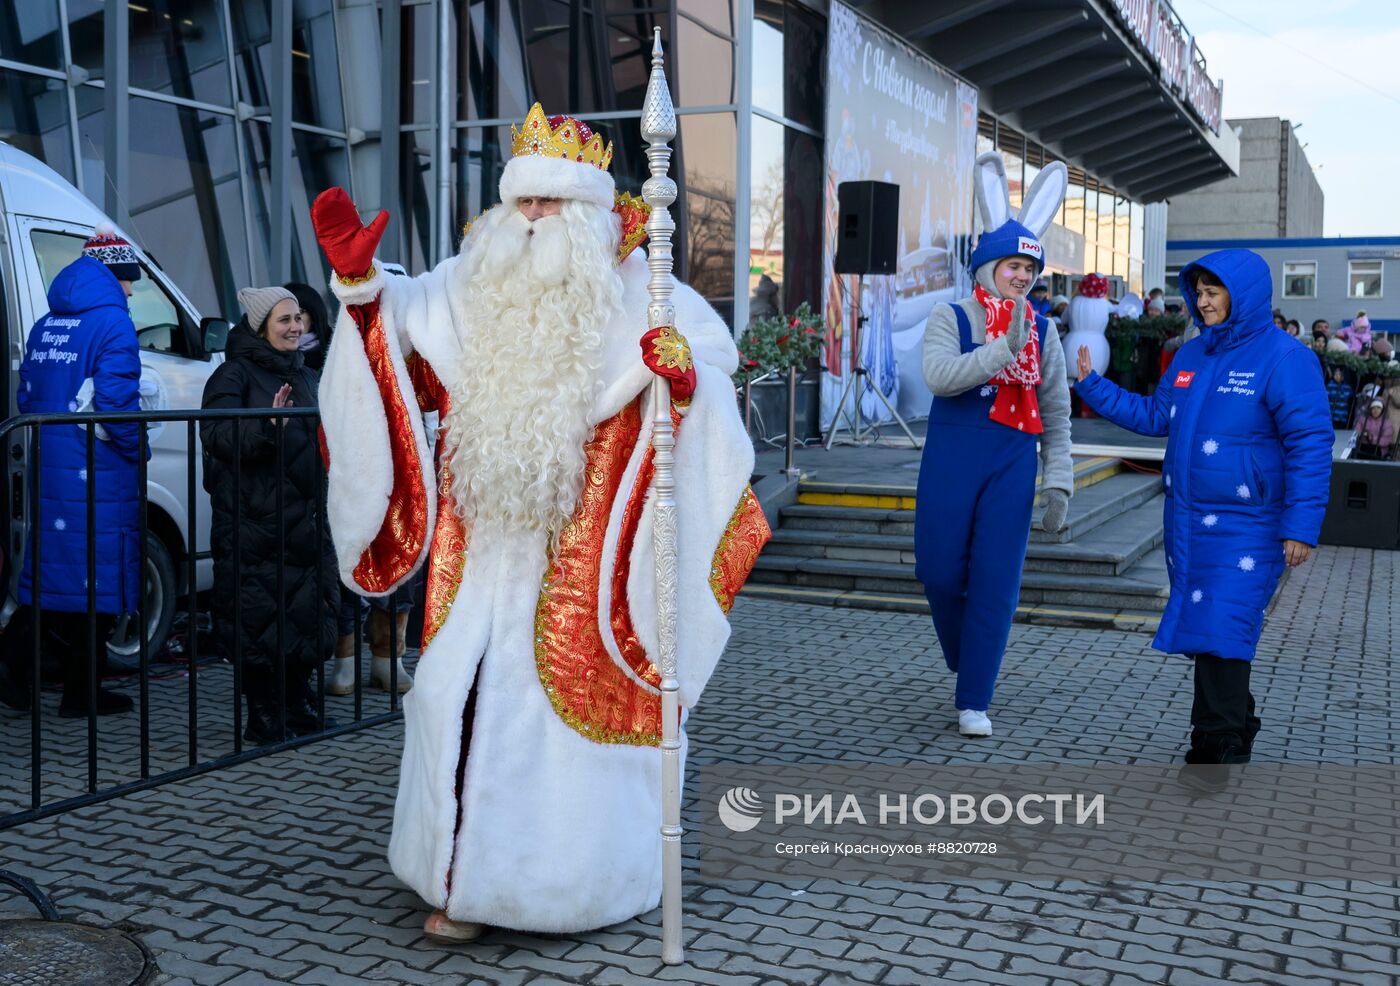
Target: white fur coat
{"points": [[557, 832]]}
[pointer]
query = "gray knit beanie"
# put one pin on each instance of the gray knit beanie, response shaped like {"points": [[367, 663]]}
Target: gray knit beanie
{"points": [[259, 302]]}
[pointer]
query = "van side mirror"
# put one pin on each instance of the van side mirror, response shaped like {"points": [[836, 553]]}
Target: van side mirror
{"points": [[214, 333]]}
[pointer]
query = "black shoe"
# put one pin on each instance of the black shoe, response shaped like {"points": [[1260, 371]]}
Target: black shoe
{"points": [[1204, 778], [108, 703], [1217, 748], [303, 721], [262, 730], [262, 726], [13, 692]]}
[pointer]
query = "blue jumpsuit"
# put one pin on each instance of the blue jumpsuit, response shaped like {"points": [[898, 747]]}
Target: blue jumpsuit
{"points": [[971, 524]]}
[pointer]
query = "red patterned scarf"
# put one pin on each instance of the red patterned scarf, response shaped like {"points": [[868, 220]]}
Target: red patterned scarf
{"points": [[1016, 404]]}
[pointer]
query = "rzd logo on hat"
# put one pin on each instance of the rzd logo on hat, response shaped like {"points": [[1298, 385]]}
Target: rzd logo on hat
{"points": [[1030, 247]]}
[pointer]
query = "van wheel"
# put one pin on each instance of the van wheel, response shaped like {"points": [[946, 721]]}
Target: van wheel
{"points": [[161, 595]]}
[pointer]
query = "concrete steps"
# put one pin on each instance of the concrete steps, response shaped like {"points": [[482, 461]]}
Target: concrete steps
{"points": [[851, 544], [897, 578], [1087, 617]]}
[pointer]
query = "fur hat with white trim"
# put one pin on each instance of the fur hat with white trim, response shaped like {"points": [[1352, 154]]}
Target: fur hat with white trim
{"points": [[557, 157]]}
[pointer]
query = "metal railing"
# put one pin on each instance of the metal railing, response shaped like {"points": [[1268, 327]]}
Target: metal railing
{"points": [[34, 426]]}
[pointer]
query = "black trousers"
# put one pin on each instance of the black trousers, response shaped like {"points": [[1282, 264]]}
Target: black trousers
{"points": [[1223, 723], [66, 633]]}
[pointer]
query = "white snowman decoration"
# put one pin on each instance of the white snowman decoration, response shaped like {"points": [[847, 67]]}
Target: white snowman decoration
{"points": [[1088, 322]]}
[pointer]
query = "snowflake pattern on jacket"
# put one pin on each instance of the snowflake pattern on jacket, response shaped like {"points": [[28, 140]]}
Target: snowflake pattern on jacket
{"points": [[1248, 460]]}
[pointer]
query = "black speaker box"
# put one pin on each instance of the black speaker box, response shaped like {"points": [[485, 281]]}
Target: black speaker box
{"points": [[867, 232], [1364, 508]]}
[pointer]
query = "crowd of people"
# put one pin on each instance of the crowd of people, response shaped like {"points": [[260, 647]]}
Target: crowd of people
{"points": [[274, 564], [1363, 393]]}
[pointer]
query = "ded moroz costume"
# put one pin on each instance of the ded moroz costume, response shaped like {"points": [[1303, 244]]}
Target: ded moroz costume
{"points": [[998, 379], [529, 795]]}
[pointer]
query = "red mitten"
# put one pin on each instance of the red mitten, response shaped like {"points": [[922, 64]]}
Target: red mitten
{"points": [[348, 244], [667, 354]]}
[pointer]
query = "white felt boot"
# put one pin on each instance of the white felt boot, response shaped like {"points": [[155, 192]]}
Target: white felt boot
{"points": [[342, 679], [379, 675]]}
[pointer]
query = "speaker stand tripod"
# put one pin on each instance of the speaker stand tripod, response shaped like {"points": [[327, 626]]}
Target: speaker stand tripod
{"points": [[860, 380]]}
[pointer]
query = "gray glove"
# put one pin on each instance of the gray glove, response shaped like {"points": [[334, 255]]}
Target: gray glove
{"points": [[1056, 509], [1018, 332]]}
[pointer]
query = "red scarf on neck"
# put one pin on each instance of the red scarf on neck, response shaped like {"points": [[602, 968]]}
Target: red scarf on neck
{"points": [[1016, 404]]}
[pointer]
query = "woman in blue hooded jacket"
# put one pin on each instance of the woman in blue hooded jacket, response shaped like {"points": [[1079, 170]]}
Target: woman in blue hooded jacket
{"points": [[82, 355], [1247, 468]]}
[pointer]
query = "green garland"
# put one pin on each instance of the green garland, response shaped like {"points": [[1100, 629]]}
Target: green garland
{"points": [[1159, 327], [773, 344], [1156, 327], [1362, 365]]}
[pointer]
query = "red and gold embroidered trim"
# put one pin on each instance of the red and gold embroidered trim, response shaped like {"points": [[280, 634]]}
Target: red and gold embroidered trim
{"points": [[447, 557], [671, 350], [395, 549], [738, 549], [582, 682], [365, 278], [633, 213], [620, 618]]}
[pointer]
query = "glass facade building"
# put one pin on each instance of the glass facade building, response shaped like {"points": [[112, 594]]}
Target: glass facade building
{"points": [[445, 79], [408, 105]]}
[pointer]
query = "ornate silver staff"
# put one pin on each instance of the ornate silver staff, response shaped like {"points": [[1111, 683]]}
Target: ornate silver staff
{"points": [[658, 130]]}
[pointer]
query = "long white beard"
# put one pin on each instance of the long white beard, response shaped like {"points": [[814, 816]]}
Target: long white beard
{"points": [[531, 363]]}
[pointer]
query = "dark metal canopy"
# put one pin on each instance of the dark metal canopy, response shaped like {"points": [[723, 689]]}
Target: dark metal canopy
{"points": [[1072, 75]]}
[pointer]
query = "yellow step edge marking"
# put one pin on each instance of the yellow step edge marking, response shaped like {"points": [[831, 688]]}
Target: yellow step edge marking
{"points": [[857, 500]]}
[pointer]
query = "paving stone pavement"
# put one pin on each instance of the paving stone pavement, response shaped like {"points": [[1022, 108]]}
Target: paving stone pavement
{"points": [[274, 870]]}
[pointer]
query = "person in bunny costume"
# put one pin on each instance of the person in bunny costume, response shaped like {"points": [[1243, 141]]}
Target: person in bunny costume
{"points": [[997, 373]]}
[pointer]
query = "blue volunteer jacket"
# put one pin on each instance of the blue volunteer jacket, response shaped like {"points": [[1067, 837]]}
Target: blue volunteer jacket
{"points": [[87, 335], [1248, 460]]}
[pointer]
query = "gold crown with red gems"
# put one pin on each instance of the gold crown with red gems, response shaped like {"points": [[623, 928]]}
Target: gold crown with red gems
{"points": [[570, 139]]}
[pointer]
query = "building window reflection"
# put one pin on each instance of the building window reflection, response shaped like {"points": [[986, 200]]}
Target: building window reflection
{"points": [[29, 32], [767, 203], [34, 118], [320, 162], [185, 204], [316, 85], [178, 47], [706, 162]]}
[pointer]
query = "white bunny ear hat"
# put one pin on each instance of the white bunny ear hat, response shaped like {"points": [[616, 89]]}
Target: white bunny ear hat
{"points": [[1006, 237]]}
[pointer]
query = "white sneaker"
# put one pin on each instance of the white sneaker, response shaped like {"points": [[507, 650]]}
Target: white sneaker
{"points": [[342, 680], [974, 723], [379, 675]]}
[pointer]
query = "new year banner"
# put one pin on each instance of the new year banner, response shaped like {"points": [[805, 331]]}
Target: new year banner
{"points": [[893, 115]]}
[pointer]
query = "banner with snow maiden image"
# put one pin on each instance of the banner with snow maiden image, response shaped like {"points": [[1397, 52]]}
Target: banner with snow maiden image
{"points": [[893, 115]]}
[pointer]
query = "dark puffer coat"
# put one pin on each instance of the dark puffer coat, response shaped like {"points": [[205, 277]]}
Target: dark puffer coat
{"points": [[252, 375]]}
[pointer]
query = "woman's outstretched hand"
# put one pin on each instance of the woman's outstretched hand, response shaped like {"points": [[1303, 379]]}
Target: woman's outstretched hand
{"points": [[1086, 365]]}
